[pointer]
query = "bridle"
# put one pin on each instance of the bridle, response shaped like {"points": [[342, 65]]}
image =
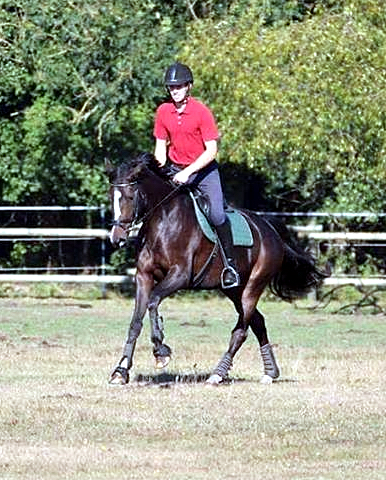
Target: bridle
{"points": [[127, 225], [137, 220]]}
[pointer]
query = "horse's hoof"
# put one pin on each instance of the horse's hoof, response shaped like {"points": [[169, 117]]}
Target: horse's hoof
{"points": [[266, 380], [162, 362], [214, 379], [119, 378]]}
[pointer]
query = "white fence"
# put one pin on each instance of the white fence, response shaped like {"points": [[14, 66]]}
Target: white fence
{"points": [[24, 234], [312, 231], [346, 239]]}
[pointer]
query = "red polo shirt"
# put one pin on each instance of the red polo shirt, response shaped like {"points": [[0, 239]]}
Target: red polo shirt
{"points": [[186, 131]]}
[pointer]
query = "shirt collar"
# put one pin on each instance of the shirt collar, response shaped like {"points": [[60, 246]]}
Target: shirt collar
{"points": [[186, 110]]}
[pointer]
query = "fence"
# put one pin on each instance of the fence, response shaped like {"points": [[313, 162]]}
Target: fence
{"points": [[312, 231], [25, 234], [349, 239]]}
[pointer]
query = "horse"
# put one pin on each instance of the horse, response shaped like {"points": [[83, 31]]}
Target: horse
{"points": [[173, 254]]}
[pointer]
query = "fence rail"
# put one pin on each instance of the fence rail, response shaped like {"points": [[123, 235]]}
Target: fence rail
{"points": [[54, 232], [348, 236], [58, 234], [355, 281], [64, 278], [311, 231]]}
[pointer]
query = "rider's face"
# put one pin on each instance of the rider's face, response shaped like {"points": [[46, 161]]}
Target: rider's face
{"points": [[179, 92]]}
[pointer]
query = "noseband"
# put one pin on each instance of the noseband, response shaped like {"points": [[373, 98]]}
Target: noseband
{"points": [[128, 225]]}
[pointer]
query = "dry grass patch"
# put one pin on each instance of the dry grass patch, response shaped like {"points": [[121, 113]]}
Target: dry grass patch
{"points": [[60, 419]]}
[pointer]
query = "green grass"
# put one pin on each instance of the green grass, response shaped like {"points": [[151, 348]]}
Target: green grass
{"points": [[59, 418]]}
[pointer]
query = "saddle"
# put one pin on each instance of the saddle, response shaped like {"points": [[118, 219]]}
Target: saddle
{"points": [[241, 231]]}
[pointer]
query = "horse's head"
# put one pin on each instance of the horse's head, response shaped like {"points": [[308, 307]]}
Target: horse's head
{"points": [[130, 193]]}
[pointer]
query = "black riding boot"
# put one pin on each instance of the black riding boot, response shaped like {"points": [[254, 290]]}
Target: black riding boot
{"points": [[229, 276]]}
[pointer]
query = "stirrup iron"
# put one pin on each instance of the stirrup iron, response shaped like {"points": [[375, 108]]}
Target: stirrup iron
{"points": [[233, 272]]}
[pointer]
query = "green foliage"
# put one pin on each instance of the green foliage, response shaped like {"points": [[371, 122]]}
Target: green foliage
{"points": [[79, 83], [298, 88], [302, 102]]}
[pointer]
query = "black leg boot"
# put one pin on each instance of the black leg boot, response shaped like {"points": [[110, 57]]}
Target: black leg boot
{"points": [[229, 276]]}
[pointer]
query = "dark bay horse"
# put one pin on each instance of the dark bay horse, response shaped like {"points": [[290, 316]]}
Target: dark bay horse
{"points": [[173, 254]]}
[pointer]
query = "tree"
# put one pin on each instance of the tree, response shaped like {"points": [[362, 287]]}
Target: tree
{"points": [[300, 102], [79, 84]]}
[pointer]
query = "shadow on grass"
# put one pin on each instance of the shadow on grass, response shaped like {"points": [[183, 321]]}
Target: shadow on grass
{"points": [[169, 379]]}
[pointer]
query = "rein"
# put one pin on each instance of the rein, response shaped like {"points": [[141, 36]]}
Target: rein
{"points": [[136, 221]]}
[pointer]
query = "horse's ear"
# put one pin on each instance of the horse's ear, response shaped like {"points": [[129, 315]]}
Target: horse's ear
{"points": [[109, 167]]}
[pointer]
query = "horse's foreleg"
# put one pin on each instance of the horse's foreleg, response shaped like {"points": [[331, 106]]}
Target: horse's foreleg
{"points": [[161, 351], [120, 375], [271, 370], [170, 284]]}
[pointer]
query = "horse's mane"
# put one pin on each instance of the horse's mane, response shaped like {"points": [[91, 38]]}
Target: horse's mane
{"points": [[143, 162]]}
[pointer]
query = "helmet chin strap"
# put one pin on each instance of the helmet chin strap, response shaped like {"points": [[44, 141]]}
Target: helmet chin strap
{"points": [[180, 106]]}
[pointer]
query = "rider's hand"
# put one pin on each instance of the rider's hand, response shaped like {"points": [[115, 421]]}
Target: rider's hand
{"points": [[181, 177]]}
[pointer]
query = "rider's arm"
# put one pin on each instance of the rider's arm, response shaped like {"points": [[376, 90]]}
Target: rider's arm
{"points": [[160, 151], [207, 156]]}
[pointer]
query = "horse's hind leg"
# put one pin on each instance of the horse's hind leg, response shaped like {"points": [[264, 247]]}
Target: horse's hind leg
{"points": [[238, 337], [245, 305], [271, 370]]}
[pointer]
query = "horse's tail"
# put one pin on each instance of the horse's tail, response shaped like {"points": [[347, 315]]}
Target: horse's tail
{"points": [[298, 274]]}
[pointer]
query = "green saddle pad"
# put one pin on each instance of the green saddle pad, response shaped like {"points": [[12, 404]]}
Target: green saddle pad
{"points": [[241, 231]]}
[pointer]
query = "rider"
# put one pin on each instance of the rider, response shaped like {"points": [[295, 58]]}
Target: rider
{"points": [[186, 134]]}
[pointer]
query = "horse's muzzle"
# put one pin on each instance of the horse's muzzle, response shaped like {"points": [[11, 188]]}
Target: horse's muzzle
{"points": [[118, 236]]}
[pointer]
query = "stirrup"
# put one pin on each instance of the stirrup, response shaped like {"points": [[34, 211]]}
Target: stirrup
{"points": [[229, 269]]}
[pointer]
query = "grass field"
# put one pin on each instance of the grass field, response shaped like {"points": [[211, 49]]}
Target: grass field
{"points": [[324, 419]]}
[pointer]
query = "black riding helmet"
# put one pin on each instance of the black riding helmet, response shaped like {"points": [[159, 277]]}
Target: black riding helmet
{"points": [[178, 74]]}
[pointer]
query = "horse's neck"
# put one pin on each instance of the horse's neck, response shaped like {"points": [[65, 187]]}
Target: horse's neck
{"points": [[156, 190], [165, 196]]}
